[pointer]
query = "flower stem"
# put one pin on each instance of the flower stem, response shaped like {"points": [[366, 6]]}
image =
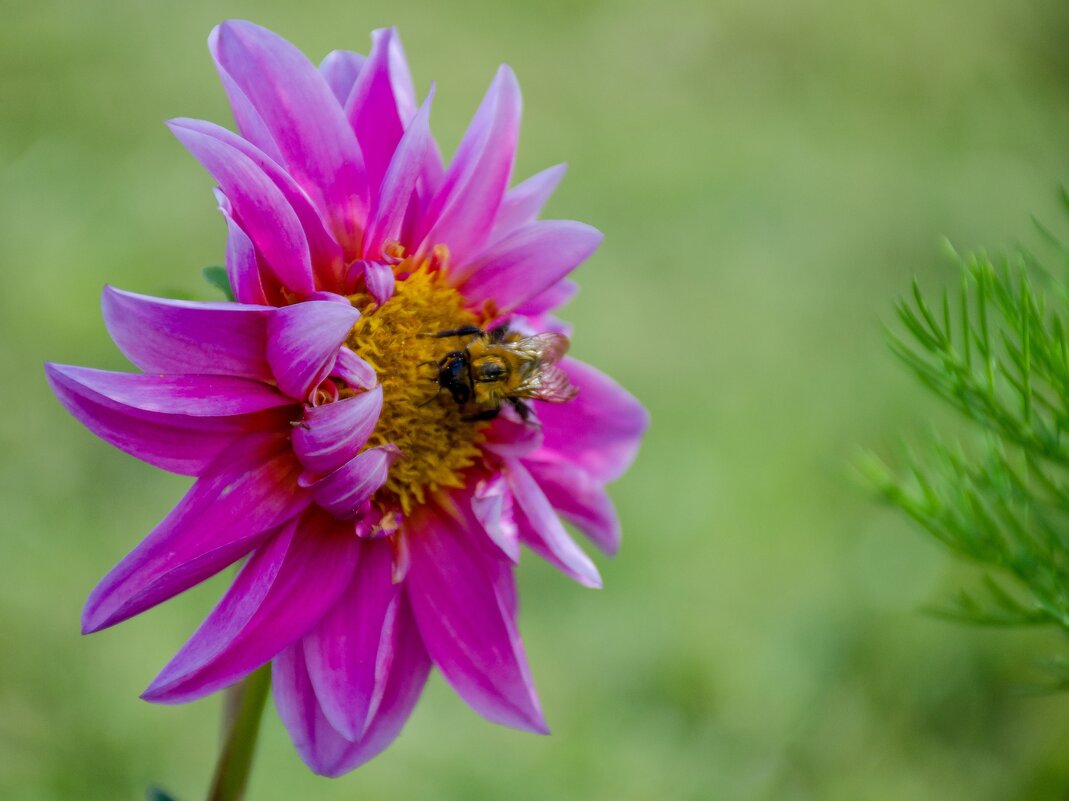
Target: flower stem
{"points": [[242, 711]]}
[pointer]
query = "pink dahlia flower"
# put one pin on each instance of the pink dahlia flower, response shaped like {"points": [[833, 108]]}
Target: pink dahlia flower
{"points": [[378, 499]]}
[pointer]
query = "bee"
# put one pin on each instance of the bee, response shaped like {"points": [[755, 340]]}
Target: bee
{"points": [[499, 366]]}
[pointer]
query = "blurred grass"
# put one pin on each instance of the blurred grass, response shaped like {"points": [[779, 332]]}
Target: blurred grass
{"points": [[769, 176]]}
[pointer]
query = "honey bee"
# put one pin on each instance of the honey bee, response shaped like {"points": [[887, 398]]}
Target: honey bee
{"points": [[499, 366]]}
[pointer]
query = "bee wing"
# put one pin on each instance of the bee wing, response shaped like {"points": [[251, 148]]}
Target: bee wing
{"points": [[545, 349], [549, 384]]}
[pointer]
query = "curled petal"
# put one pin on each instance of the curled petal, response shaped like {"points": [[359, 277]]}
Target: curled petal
{"points": [[491, 503], [353, 370], [599, 430], [303, 342], [280, 594], [333, 434], [463, 210], [350, 653], [529, 261], [245, 494], [463, 597], [542, 530], [182, 336], [344, 492], [380, 281], [299, 110]]}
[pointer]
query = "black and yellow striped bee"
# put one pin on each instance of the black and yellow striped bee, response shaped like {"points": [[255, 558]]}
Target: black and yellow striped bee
{"points": [[499, 366]]}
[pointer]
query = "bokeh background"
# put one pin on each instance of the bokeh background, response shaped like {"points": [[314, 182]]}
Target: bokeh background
{"points": [[769, 176]]}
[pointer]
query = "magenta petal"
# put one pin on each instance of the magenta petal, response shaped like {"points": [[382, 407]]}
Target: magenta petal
{"points": [[183, 336], [380, 281], [462, 213], [542, 530], [284, 589], [242, 264], [325, 253], [350, 653], [258, 204], [340, 69], [353, 370], [600, 429], [322, 748], [303, 342], [248, 491], [344, 492], [463, 599], [124, 410], [407, 676], [581, 499], [307, 124], [382, 102], [332, 434], [529, 261], [549, 299], [491, 503], [523, 203], [391, 202], [194, 395]]}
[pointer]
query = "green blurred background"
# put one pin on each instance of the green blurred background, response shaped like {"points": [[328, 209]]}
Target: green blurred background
{"points": [[769, 175]]}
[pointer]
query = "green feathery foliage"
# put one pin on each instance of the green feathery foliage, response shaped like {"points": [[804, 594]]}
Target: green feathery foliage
{"points": [[998, 353]]}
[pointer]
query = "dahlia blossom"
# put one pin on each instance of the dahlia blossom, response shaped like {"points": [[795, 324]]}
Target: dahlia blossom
{"points": [[379, 504]]}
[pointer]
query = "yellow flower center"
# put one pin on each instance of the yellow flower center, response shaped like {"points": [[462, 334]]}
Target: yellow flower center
{"points": [[436, 443]]}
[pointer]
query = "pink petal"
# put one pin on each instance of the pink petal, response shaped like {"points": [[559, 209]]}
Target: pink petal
{"points": [[381, 103], [380, 281], [182, 336], [128, 411], [350, 653], [248, 491], [462, 213], [581, 499], [523, 203], [340, 69], [463, 599], [194, 395], [322, 748], [398, 184], [280, 594], [332, 434], [600, 430], [491, 503], [528, 262], [542, 530], [325, 253], [303, 342], [344, 492], [242, 264], [304, 119], [258, 205], [549, 299], [353, 370]]}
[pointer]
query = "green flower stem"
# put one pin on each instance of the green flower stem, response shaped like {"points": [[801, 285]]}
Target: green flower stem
{"points": [[243, 710]]}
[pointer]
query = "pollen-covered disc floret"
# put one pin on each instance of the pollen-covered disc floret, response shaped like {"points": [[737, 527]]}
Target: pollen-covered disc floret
{"points": [[436, 442]]}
